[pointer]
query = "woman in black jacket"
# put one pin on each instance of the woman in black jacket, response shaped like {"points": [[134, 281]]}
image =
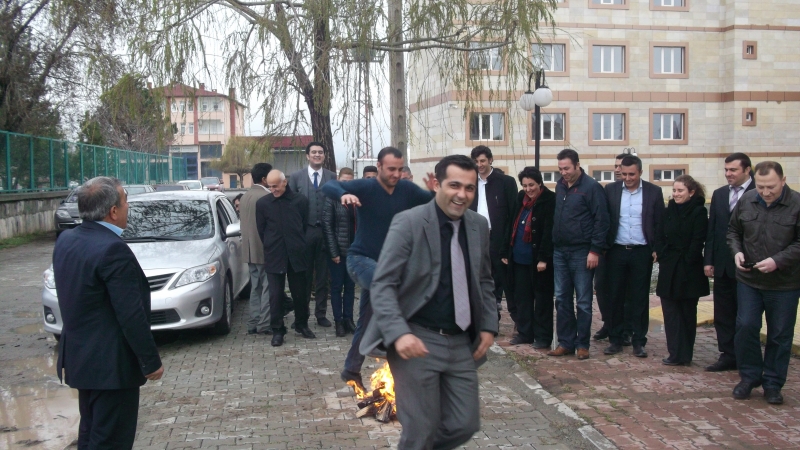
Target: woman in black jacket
{"points": [[529, 254], [681, 281], [339, 230]]}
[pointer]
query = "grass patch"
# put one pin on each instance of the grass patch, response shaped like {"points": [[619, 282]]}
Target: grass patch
{"points": [[21, 240]]}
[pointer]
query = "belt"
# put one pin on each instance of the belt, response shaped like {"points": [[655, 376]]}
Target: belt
{"points": [[442, 331], [630, 246]]}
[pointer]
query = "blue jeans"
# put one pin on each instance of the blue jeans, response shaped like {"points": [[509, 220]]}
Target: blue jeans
{"points": [[572, 277], [361, 270], [342, 306], [781, 313]]}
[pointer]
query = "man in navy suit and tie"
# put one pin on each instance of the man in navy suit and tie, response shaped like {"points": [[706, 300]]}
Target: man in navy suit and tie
{"points": [[307, 182], [719, 263], [107, 350]]}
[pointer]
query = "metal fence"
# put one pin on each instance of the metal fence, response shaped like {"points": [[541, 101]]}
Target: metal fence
{"points": [[32, 164]]}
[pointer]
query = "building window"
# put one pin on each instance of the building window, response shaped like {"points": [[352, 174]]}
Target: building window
{"points": [[205, 105], [665, 175], [487, 127], [608, 127], [174, 107], [668, 60], [550, 57], [215, 105], [668, 127], [191, 105], [552, 127], [603, 176], [183, 106], [750, 50], [611, 4], [191, 128], [183, 128], [211, 151], [210, 127], [749, 117], [485, 59], [669, 5], [608, 59], [551, 177]]}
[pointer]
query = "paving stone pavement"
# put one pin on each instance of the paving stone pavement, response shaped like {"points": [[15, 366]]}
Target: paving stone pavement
{"points": [[237, 392], [638, 403]]}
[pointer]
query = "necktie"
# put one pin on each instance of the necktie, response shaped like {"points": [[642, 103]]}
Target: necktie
{"points": [[316, 184], [460, 287], [735, 197]]}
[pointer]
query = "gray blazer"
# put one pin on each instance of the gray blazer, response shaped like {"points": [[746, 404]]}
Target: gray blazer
{"points": [[407, 275], [252, 250], [301, 183]]}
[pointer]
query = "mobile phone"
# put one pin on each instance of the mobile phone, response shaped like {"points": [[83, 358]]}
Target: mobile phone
{"points": [[748, 265]]}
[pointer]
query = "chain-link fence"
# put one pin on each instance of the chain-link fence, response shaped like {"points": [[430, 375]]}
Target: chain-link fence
{"points": [[32, 163]]}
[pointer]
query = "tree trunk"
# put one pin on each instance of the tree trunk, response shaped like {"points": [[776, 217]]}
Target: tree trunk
{"points": [[397, 80], [320, 108]]}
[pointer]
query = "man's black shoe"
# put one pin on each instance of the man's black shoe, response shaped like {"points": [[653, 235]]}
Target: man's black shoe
{"points": [[267, 331], [354, 377], [277, 339], [252, 331], [349, 326], [306, 332], [540, 345], [721, 366], [517, 340], [639, 352], [773, 396], [743, 389], [626, 341], [601, 334], [670, 362], [341, 331], [323, 322], [612, 349]]}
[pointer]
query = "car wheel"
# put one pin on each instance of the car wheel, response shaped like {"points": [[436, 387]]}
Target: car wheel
{"points": [[223, 326]]}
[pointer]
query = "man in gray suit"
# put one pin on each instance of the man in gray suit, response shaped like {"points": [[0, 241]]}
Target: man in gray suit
{"points": [[253, 251], [307, 182], [434, 310]]}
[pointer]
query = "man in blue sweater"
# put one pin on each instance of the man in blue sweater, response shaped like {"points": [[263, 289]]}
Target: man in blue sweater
{"points": [[378, 199]]}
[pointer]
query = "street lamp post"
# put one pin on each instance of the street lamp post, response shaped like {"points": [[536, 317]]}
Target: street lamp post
{"points": [[535, 100]]}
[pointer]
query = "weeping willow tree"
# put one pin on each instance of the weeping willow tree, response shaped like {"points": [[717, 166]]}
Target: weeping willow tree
{"points": [[297, 53]]}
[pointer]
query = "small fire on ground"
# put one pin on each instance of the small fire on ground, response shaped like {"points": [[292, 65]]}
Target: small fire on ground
{"points": [[379, 401]]}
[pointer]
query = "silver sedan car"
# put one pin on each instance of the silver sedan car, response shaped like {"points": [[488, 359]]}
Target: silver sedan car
{"points": [[189, 246]]}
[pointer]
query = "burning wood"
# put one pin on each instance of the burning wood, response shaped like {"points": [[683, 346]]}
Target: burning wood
{"points": [[380, 401]]}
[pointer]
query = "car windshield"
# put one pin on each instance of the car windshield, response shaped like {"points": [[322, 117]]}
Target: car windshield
{"points": [[73, 197], [171, 219], [209, 180], [192, 184], [170, 187], [133, 190]]}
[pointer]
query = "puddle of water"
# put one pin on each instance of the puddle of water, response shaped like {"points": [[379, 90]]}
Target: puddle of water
{"points": [[44, 416], [33, 328]]}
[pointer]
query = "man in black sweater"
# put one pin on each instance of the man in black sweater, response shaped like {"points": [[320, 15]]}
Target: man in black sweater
{"points": [[494, 200]]}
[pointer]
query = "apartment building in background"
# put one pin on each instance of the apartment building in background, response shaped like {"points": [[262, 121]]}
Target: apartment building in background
{"points": [[203, 120], [683, 82]]}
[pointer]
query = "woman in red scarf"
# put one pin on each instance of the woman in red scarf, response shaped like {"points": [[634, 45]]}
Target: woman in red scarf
{"points": [[529, 256]]}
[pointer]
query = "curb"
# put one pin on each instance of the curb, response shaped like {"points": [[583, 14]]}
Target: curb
{"points": [[587, 431]]}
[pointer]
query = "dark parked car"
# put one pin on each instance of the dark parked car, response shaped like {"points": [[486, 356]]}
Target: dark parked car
{"points": [[66, 216], [170, 187], [136, 189], [212, 184]]}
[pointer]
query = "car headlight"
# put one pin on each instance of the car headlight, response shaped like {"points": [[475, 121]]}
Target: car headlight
{"points": [[197, 274], [49, 278], [63, 214]]}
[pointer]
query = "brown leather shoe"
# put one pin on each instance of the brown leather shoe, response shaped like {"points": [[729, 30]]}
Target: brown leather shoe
{"points": [[583, 353], [560, 351]]}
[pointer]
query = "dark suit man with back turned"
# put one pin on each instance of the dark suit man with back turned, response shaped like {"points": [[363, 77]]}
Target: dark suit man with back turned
{"points": [[107, 350], [434, 310], [719, 263]]}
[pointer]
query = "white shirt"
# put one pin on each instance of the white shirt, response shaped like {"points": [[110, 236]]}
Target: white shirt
{"points": [[265, 188], [483, 208], [311, 173], [741, 192]]}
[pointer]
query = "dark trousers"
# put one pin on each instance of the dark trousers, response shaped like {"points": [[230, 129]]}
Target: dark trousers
{"points": [[317, 277], [499, 276], [361, 269], [108, 418], [437, 396], [533, 295], [297, 286], [725, 307], [780, 309], [342, 304], [629, 271], [680, 327], [601, 290]]}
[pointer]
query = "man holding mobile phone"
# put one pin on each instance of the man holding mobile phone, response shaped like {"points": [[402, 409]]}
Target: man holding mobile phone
{"points": [[764, 237]]}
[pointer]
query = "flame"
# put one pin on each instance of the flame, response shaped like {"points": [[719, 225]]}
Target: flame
{"points": [[382, 379]]}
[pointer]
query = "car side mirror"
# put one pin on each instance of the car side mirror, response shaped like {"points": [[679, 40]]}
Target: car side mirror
{"points": [[233, 230]]}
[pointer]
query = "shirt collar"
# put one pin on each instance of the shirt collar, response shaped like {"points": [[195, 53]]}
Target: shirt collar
{"points": [[262, 187], [312, 171], [744, 185], [117, 230], [487, 176], [625, 188]]}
